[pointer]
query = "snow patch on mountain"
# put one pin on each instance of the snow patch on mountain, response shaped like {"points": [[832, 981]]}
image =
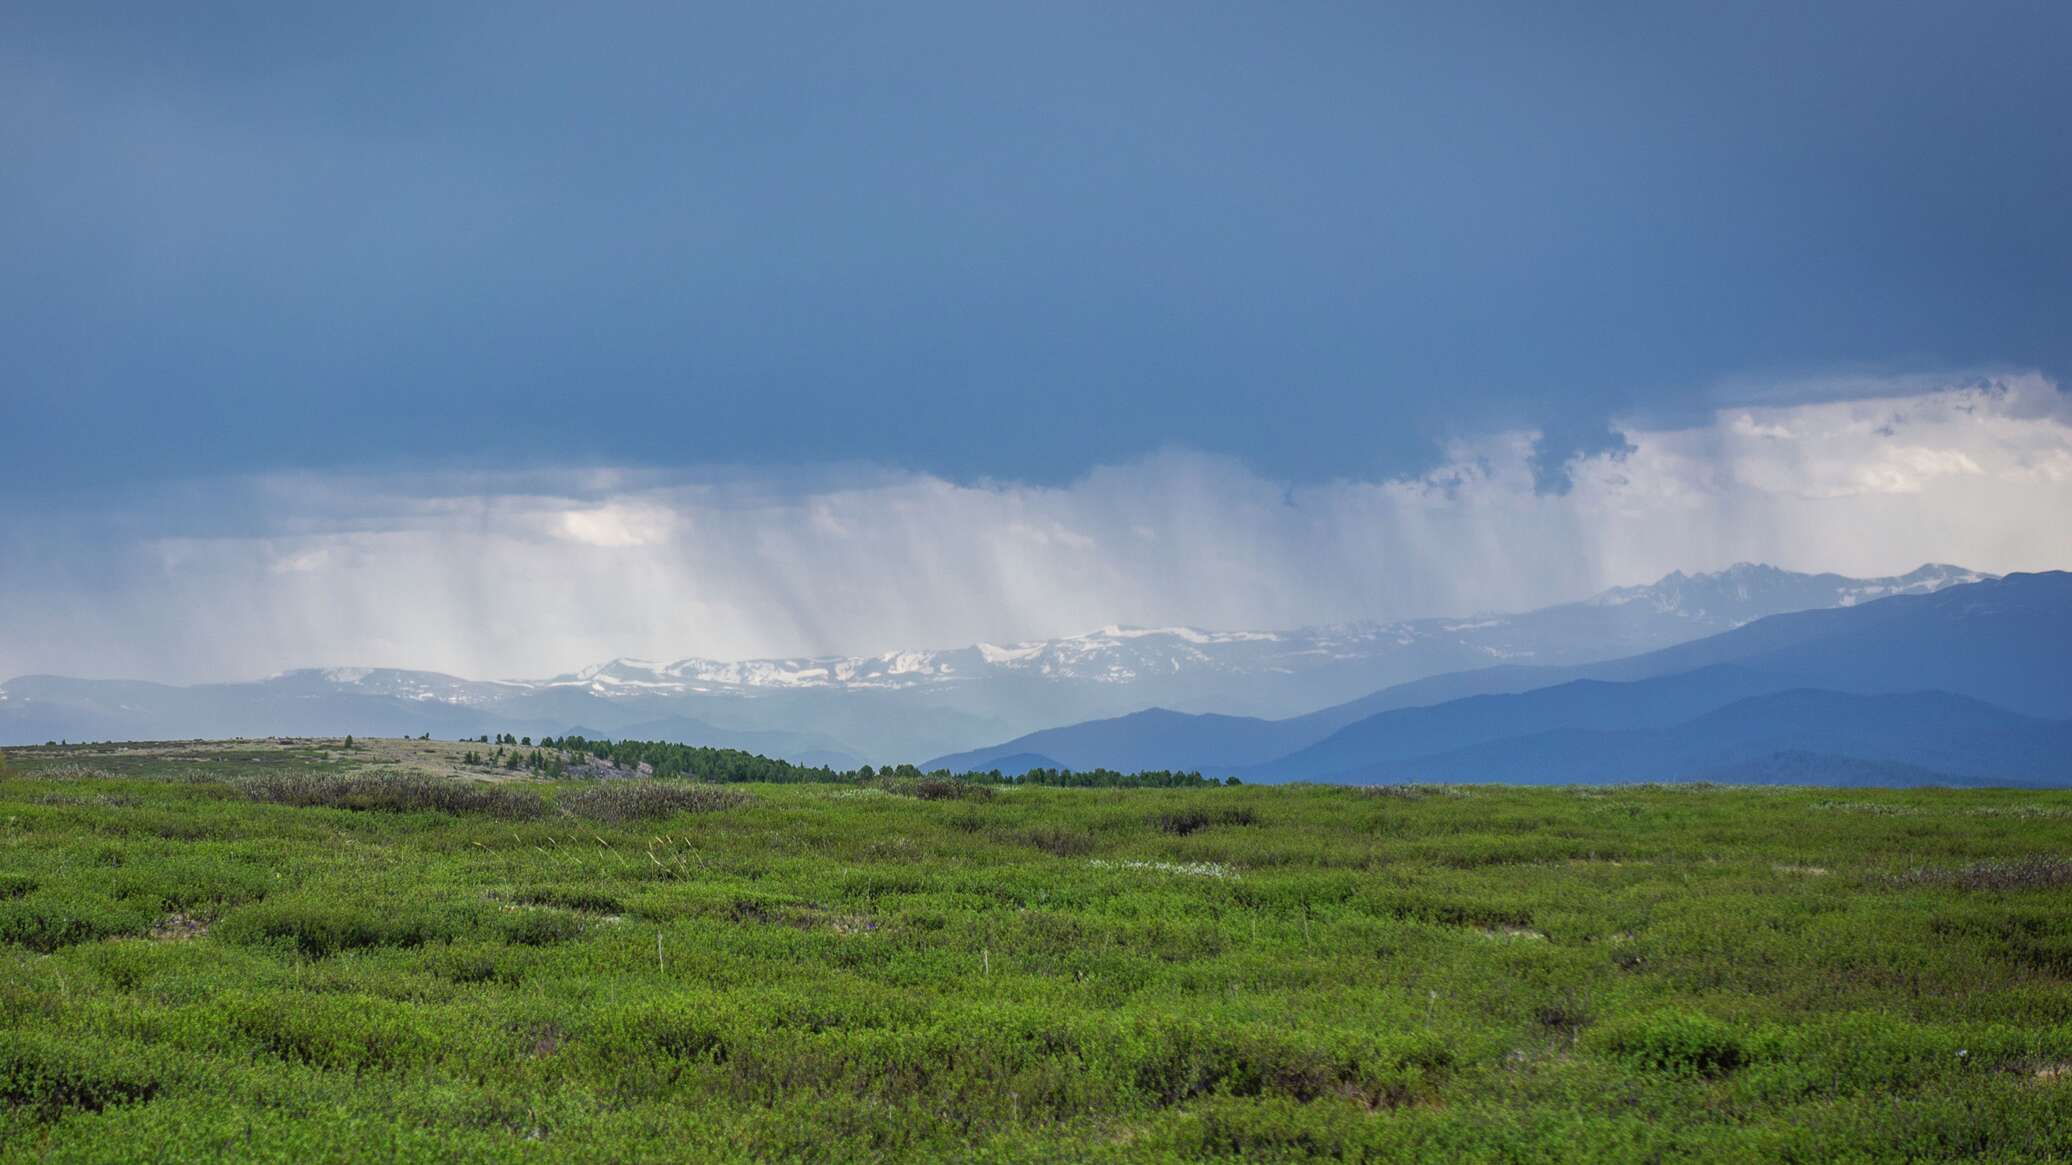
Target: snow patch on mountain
{"points": [[1684, 605], [1005, 655], [1110, 671]]}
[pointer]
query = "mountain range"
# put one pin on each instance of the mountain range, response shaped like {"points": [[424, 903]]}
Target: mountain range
{"points": [[1968, 683], [902, 704]]}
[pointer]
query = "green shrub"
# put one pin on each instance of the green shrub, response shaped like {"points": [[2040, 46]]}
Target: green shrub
{"points": [[1679, 1043], [950, 789], [538, 928], [583, 898], [1184, 822], [317, 926], [1274, 1128], [1061, 841], [472, 961], [191, 881], [52, 918], [45, 1076], [1174, 1061], [333, 1031], [678, 1029]]}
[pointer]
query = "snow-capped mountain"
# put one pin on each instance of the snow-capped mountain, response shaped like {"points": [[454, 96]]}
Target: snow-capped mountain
{"points": [[905, 704], [1675, 606], [1746, 586], [1112, 655]]}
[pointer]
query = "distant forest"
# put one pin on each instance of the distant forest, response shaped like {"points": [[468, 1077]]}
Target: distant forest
{"points": [[576, 756]]}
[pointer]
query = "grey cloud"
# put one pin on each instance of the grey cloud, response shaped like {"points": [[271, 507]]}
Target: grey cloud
{"points": [[529, 573]]}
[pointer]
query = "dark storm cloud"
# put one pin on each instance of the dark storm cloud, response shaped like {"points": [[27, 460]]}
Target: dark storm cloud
{"points": [[986, 240]]}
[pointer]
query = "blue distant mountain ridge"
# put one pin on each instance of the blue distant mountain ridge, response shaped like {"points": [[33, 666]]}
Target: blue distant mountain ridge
{"points": [[1666, 680], [1969, 684], [906, 703], [1948, 739]]}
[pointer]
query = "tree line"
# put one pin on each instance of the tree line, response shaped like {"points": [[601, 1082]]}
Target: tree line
{"points": [[558, 756]]}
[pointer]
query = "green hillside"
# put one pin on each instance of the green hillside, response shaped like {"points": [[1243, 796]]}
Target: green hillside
{"points": [[297, 952]]}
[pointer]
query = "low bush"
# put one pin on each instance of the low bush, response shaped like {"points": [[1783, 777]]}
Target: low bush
{"points": [[355, 1033], [677, 1029], [319, 926], [192, 881], [1060, 841], [939, 789], [44, 1078], [2034, 872], [1184, 822], [622, 801], [472, 961], [395, 794], [1678, 1043], [73, 772], [538, 928], [581, 898], [48, 919], [1178, 1060]]}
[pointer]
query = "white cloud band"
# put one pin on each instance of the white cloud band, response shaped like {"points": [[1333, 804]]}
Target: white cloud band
{"points": [[490, 578]]}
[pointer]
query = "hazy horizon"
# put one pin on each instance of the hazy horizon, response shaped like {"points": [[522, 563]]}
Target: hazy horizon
{"points": [[1124, 630]]}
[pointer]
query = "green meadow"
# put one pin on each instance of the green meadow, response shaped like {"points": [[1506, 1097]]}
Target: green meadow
{"points": [[301, 953]]}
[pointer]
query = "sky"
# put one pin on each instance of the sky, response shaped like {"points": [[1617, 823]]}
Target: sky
{"points": [[505, 338]]}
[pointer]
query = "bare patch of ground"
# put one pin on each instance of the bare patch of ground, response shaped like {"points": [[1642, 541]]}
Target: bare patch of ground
{"points": [[179, 928]]}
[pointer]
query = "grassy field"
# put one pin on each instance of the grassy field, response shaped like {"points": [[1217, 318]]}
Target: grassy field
{"points": [[292, 952]]}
